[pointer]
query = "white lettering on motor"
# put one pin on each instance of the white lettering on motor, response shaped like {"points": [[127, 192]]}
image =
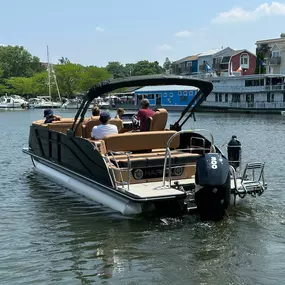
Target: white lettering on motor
{"points": [[214, 162]]}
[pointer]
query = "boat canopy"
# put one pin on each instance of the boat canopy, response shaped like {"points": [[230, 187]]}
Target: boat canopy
{"points": [[205, 88]]}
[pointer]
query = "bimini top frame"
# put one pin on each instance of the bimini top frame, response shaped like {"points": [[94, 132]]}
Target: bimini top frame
{"points": [[109, 85]]}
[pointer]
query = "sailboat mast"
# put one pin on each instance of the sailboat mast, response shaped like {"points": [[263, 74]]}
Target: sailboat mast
{"points": [[49, 86]]}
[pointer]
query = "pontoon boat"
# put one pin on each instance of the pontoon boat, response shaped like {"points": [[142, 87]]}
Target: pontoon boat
{"points": [[170, 171]]}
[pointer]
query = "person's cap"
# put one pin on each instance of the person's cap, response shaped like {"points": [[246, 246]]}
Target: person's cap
{"points": [[144, 102], [234, 137], [48, 112], [104, 116]]}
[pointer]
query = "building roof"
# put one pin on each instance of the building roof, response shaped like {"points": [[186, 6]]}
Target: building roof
{"points": [[280, 45], [224, 52], [209, 52], [269, 41], [187, 58], [243, 50], [160, 88]]}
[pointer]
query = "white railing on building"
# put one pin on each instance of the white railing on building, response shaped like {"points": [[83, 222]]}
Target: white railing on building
{"points": [[238, 89], [246, 105]]}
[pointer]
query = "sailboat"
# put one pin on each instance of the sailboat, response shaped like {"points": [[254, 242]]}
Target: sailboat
{"points": [[46, 101]]}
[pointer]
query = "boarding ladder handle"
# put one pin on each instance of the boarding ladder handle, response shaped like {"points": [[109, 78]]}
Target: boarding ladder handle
{"points": [[212, 150]]}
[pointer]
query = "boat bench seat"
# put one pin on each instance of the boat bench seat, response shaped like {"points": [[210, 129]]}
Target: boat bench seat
{"points": [[139, 141], [60, 126], [157, 160]]}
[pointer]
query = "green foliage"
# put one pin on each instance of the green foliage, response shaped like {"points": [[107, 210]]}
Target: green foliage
{"points": [[92, 75], [15, 61], [167, 65], [116, 69], [143, 67], [68, 77], [260, 68], [23, 74]]}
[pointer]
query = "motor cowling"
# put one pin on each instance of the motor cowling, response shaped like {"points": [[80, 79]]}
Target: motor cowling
{"points": [[213, 188]]}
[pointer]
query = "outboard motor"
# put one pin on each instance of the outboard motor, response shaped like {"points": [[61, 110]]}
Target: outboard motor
{"points": [[234, 152], [213, 186]]}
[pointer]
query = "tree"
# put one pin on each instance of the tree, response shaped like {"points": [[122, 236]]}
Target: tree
{"points": [[116, 69], [167, 65], [261, 52], [15, 61], [129, 69], [64, 60], [91, 76], [68, 77], [144, 67], [20, 85]]}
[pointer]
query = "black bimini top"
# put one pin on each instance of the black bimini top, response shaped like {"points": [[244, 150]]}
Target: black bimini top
{"points": [[150, 80]]}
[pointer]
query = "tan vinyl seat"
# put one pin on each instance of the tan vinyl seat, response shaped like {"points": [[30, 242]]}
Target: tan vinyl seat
{"points": [[60, 126], [158, 121], [88, 126], [137, 141]]}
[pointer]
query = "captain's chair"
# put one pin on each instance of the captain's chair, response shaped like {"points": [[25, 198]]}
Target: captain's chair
{"points": [[158, 121]]}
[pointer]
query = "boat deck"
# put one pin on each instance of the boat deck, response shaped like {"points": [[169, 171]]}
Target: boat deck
{"points": [[157, 190], [153, 190]]}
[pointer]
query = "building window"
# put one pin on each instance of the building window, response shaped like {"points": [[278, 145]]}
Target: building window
{"points": [[183, 99], [284, 97], [220, 97], [270, 97], [171, 94], [149, 96], [249, 98], [236, 98], [164, 94], [216, 97], [244, 60], [179, 93], [276, 53], [226, 97]]}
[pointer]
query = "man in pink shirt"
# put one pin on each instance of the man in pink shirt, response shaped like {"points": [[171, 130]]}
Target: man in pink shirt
{"points": [[143, 114]]}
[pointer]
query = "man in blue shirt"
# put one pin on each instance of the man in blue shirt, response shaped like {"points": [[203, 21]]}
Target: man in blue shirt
{"points": [[50, 117]]}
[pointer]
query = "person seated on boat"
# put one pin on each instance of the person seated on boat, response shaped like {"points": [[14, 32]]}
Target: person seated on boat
{"points": [[120, 113], [50, 117], [99, 132], [143, 114], [234, 148], [95, 111]]}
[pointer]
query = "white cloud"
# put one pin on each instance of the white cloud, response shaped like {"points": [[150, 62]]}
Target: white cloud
{"points": [[164, 47], [238, 14], [99, 29], [184, 34]]}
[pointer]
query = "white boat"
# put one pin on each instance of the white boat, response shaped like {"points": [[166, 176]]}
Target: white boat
{"points": [[43, 102], [104, 105], [74, 104], [171, 172], [13, 101], [283, 113]]}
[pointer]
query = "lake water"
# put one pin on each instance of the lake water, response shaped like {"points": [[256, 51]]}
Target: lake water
{"points": [[48, 235]]}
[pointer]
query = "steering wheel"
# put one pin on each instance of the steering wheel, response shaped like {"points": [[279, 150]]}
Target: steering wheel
{"points": [[135, 122]]}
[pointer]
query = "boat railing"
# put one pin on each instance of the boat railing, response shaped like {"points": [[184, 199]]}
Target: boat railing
{"points": [[191, 149], [128, 169]]}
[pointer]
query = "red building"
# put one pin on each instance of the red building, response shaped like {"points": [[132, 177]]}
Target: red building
{"points": [[242, 61]]}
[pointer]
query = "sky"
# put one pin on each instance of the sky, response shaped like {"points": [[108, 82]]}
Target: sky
{"points": [[93, 32]]}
